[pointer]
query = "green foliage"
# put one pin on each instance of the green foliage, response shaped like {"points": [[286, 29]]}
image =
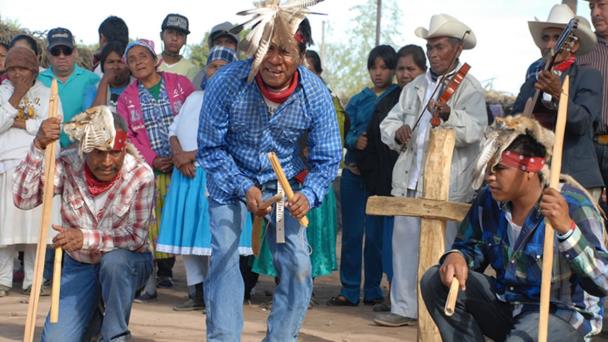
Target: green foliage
{"points": [[198, 52], [345, 62]]}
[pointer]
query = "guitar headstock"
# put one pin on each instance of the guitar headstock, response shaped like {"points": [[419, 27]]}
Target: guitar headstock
{"points": [[566, 39]]}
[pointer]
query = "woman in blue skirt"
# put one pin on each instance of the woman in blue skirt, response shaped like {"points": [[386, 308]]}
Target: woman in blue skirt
{"points": [[184, 228]]}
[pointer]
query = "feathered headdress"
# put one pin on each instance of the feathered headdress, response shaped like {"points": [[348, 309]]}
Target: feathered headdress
{"points": [[272, 23], [501, 134], [94, 129]]}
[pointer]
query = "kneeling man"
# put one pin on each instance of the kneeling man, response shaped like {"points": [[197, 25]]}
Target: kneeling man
{"points": [[505, 228], [106, 201]]}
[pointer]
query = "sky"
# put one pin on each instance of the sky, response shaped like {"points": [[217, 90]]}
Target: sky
{"points": [[504, 46]]}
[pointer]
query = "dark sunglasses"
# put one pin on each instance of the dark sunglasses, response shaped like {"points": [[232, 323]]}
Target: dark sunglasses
{"points": [[58, 50]]}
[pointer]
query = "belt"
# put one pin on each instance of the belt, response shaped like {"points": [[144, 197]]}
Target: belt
{"points": [[601, 139]]}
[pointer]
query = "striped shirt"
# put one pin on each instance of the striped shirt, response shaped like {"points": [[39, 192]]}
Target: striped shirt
{"points": [[236, 131], [598, 59], [128, 206], [580, 262]]}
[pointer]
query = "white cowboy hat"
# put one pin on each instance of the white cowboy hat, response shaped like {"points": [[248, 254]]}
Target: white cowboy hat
{"points": [[444, 25], [559, 17]]}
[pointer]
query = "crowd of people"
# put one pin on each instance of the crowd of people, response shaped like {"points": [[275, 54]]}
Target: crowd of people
{"points": [[183, 171]]}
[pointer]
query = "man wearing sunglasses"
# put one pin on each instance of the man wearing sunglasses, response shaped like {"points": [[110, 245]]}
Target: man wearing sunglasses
{"points": [[73, 81]]}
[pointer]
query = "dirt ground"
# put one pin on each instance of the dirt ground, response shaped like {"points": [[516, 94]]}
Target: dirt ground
{"points": [[156, 321]]}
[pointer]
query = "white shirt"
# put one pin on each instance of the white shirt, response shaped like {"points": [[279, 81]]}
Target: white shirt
{"points": [[420, 134], [185, 123]]}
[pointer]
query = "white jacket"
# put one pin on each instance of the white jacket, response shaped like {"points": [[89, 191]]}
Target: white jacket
{"points": [[468, 118], [16, 142]]}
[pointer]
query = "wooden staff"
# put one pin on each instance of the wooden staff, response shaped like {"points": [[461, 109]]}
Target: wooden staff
{"points": [[256, 232], [56, 286], [450, 303], [278, 170], [556, 166], [47, 204]]}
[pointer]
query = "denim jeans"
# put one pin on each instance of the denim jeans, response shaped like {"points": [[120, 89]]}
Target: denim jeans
{"points": [[478, 313], [115, 280], [357, 227], [224, 286]]}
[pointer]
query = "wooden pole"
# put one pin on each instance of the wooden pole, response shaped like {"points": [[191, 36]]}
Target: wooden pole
{"points": [[378, 21], [278, 170], [56, 286], [47, 204], [450, 303], [556, 166]]}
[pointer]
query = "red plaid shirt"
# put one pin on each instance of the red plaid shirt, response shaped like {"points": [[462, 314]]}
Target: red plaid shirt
{"points": [[123, 220]]}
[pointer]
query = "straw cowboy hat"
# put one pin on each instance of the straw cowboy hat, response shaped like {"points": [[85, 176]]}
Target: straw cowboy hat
{"points": [[444, 25], [559, 17]]}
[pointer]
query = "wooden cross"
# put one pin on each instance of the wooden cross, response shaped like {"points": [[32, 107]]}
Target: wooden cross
{"points": [[433, 209]]}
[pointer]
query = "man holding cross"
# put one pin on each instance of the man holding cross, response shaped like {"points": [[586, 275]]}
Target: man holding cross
{"points": [[251, 108], [106, 203], [465, 112], [505, 228]]}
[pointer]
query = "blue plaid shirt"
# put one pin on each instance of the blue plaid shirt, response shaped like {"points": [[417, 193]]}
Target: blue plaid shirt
{"points": [[158, 116], [580, 272], [236, 132]]}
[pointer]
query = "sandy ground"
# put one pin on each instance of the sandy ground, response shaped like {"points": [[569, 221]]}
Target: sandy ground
{"points": [[156, 321]]}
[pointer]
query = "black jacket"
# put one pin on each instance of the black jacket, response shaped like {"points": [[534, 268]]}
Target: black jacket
{"points": [[584, 109], [376, 161]]}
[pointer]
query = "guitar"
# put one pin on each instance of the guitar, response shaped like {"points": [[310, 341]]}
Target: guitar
{"points": [[564, 43]]}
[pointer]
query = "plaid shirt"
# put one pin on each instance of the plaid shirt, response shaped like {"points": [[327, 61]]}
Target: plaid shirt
{"points": [[124, 223], [158, 116], [580, 272], [236, 132]]}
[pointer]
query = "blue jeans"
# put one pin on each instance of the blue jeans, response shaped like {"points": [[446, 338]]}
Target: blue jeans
{"points": [[387, 247], [224, 286], [357, 226], [115, 280]]}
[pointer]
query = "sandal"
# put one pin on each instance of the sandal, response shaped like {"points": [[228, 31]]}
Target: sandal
{"points": [[340, 301]]}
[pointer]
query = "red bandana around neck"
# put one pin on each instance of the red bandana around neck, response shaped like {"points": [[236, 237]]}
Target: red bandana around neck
{"points": [[95, 186], [277, 96], [565, 65], [529, 164]]}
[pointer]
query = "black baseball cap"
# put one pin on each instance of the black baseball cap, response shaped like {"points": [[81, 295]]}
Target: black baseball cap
{"points": [[176, 21], [60, 36]]}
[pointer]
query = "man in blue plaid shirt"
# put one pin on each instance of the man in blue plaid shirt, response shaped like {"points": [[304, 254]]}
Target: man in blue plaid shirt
{"points": [[241, 121], [505, 229]]}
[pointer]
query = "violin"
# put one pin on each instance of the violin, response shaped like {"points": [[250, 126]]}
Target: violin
{"points": [[449, 90]]}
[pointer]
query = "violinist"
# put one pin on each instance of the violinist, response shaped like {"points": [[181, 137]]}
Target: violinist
{"points": [[464, 111], [584, 102]]}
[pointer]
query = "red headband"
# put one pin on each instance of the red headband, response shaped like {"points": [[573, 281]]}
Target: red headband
{"points": [[300, 37], [514, 159], [120, 140]]}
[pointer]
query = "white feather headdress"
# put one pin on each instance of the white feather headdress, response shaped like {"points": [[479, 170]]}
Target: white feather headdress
{"points": [[272, 22], [501, 134]]}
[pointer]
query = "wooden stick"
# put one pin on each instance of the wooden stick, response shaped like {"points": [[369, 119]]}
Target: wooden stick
{"points": [[55, 290], [278, 170], [256, 231], [556, 166], [47, 204], [450, 303]]}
